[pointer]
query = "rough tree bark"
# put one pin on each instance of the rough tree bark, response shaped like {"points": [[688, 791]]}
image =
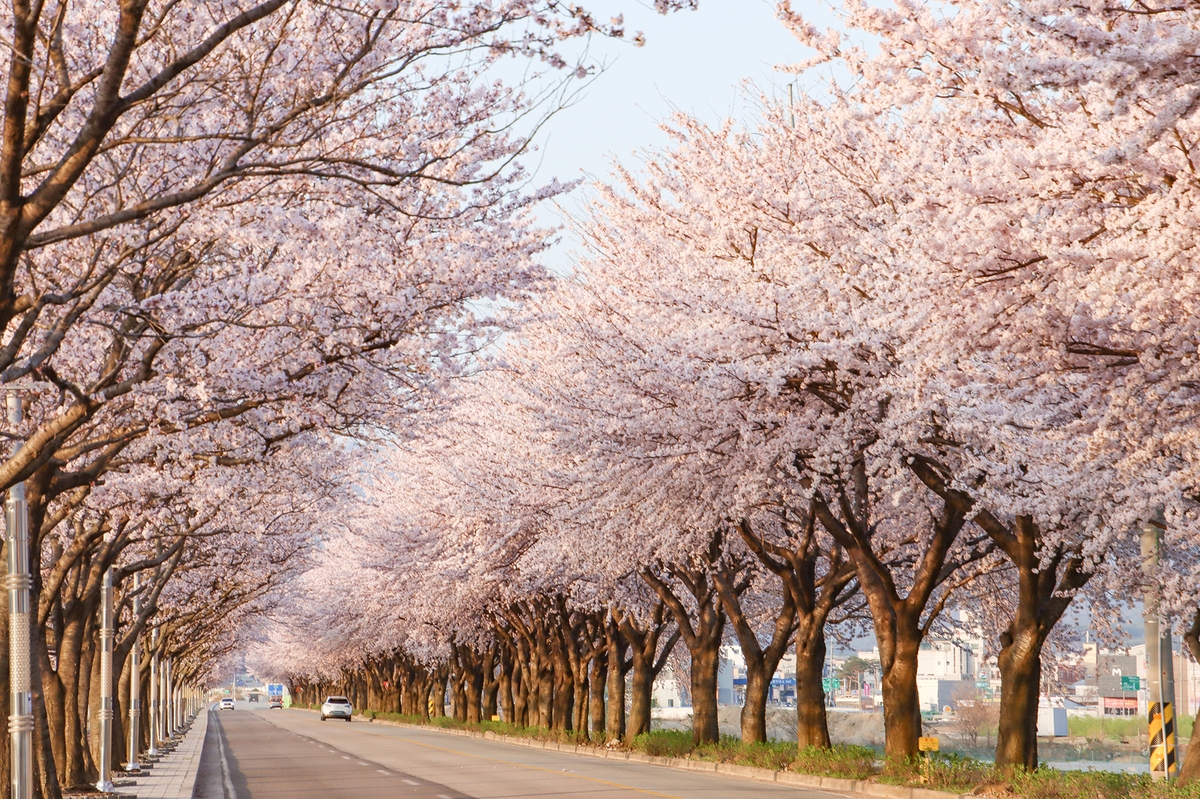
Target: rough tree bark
{"points": [[901, 622], [731, 581], [814, 594], [702, 636], [618, 666], [647, 658], [1191, 760], [1047, 581]]}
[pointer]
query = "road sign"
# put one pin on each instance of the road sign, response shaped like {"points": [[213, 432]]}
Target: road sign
{"points": [[275, 689], [829, 684], [1131, 683], [929, 744]]}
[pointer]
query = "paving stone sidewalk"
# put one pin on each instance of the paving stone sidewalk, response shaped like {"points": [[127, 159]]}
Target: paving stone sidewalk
{"points": [[174, 775]]}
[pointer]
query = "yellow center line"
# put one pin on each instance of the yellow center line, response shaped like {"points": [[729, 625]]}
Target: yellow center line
{"points": [[527, 767]]}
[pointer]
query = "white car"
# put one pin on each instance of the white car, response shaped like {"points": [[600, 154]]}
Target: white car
{"points": [[336, 707], [226, 704]]}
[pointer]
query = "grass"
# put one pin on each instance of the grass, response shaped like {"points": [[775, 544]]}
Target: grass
{"points": [[942, 771], [1128, 728], [1115, 729], [842, 760]]}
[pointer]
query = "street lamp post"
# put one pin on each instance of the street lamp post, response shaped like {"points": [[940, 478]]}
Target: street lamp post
{"points": [[154, 686], [1159, 667], [169, 697], [106, 685], [135, 683], [19, 582]]}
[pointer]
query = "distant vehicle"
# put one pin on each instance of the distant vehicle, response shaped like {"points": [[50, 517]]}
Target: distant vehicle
{"points": [[276, 702], [336, 707], [227, 704], [252, 697]]}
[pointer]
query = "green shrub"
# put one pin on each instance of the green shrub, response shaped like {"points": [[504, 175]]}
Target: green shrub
{"points": [[1186, 724], [663, 743], [842, 760], [729, 749]]}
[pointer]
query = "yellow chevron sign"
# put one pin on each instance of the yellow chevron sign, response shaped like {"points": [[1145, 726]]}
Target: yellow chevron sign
{"points": [[1162, 740]]}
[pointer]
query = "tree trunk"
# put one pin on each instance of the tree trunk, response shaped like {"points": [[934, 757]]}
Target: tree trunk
{"points": [[1045, 588], [1020, 675], [597, 677], [901, 702], [1191, 760], [647, 659], [639, 697], [473, 686], [760, 662], [706, 661], [754, 709], [812, 725], [545, 697], [813, 595], [900, 621], [614, 715], [564, 681], [702, 635]]}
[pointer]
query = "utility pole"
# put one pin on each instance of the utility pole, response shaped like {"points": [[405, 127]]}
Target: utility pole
{"points": [[164, 733], [135, 683], [106, 685], [154, 686], [1159, 664], [19, 582], [169, 697]]}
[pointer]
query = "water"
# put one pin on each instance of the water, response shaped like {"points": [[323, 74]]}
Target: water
{"points": [[1099, 765]]}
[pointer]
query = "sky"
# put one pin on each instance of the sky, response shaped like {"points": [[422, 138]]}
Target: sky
{"points": [[693, 61]]}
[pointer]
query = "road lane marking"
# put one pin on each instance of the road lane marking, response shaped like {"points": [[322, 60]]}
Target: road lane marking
{"points": [[412, 782], [384, 771], [596, 780], [230, 793], [527, 767]]}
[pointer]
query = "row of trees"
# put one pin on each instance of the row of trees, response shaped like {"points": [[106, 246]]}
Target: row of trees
{"points": [[922, 344], [234, 237]]}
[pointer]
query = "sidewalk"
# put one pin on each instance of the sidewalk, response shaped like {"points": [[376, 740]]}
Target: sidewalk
{"points": [[173, 776]]}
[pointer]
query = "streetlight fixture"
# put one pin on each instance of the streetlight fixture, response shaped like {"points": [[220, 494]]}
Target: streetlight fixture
{"points": [[135, 683], [19, 582], [105, 783]]}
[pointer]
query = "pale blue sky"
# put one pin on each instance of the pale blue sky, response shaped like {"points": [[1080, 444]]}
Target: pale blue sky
{"points": [[693, 61]]}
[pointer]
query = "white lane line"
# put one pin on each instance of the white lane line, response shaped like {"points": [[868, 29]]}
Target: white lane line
{"points": [[384, 771], [230, 793], [346, 757], [363, 764], [412, 782]]}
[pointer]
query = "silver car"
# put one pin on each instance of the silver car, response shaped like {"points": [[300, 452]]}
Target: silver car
{"points": [[336, 707]]}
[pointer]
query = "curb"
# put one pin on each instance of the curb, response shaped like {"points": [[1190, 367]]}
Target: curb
{"points": [[856, 787]]}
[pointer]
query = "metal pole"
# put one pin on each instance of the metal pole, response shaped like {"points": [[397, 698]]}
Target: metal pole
{"points": [[154, 737], [19, 583], [162, 700], [169, 695], [1158, 662], [106, 685], [135, 684]]}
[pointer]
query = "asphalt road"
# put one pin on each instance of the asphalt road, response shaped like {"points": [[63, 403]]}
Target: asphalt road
{"points": [[292, 753]]}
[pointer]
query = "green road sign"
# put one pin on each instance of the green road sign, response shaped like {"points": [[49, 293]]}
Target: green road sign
{"points": [[829, 684], [1130, 683]]}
